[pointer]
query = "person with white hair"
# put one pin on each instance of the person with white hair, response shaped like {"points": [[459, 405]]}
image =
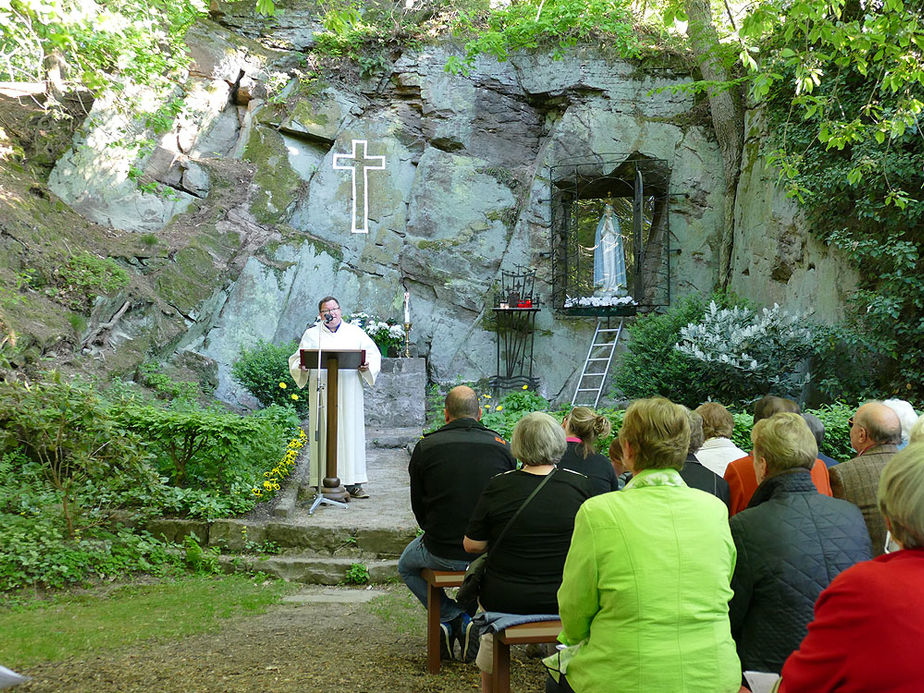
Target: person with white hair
{"points": [[906, 414]]}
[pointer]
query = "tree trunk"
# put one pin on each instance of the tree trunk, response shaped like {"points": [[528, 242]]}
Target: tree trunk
{"points": [[727, 119]]}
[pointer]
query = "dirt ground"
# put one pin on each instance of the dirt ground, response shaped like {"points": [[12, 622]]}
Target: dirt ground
{"points": [[320, 639]]}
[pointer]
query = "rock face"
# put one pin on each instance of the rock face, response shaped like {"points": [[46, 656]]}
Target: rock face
{"points": [[455, 188], [776, 259]]}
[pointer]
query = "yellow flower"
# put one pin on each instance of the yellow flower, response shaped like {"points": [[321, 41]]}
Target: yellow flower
{"points": [[282, 385], [294, 396], [499, 407], [487, 396], [526, 387]]}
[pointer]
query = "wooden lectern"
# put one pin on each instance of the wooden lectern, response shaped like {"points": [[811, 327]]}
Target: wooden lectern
{"points": [[330, 490]]}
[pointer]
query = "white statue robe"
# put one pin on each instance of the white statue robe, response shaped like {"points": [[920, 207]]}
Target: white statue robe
{"points": [[351, 429]]}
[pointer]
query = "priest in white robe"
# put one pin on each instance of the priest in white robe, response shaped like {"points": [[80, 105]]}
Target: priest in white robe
{"points": [[332, 333]]}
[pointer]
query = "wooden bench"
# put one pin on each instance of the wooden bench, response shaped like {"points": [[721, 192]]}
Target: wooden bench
{"points": [[538, 632], [437, 580]]}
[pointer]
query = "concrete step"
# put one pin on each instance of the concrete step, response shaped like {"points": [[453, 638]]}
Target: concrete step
{"points": [[240, 536], [315, 570]]}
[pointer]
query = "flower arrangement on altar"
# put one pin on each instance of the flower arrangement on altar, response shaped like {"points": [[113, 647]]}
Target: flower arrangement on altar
{"points": [[599, 301], [385, 333]]}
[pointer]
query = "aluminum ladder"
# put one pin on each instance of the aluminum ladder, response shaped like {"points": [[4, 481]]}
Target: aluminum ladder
{"points": [[597, 364]]}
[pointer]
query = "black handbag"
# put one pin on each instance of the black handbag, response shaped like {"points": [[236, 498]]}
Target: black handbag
{"points": [[467, 596]]}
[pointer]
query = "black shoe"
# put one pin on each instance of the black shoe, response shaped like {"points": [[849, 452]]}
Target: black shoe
{"points": [[469, 637], [357, 491], [446, 641]]}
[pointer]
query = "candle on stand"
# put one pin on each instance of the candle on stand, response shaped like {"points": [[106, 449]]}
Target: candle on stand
{"points": [[407, 310]]}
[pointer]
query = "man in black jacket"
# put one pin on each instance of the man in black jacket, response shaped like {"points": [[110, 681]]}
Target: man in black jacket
{"points": [[791, 542], [449, 469]]}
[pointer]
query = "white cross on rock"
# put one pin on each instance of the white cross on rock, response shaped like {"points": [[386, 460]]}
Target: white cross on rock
{"points": [[361, 182]]}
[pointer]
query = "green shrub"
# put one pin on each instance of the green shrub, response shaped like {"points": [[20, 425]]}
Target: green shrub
{"points": [[264, 373], [201, 560], [652, 366], [64, 428], [744, 354], [512, 407], [151, 374], [836, 442], [212, 457]]}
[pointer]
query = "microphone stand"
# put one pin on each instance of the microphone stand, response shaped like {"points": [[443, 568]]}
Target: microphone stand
{"points": [[320, 498]]}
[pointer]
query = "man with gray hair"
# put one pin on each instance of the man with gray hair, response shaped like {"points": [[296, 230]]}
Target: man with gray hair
{"points": [[449, 469], [875, 432]]}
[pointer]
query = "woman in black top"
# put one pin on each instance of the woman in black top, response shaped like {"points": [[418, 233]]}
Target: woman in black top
{"points": [[524, 573], [583, 428]]}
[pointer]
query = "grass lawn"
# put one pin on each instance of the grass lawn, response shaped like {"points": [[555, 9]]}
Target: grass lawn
{"points": [[77, 624]]}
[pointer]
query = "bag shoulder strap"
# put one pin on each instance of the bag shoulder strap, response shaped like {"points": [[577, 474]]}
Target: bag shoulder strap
{"points": [[520, 509]]}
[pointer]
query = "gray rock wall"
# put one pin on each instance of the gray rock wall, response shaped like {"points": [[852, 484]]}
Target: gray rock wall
{"points": [[776, 259], [465, 194]]}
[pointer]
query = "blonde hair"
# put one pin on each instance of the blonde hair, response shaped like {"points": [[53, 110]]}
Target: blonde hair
{"points": [[785, 441], [717, 421], [901, 495], [658, 431], [538, 439], [588, 426]]}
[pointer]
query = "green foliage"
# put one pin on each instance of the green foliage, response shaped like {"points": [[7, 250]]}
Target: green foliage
{"points": [[213, 457], [63, 429], [357, 574], [652, 366], [165, 387], [845, 89], [741, 436], [835, 418], [512, 407], [36, 552], [201, 560], [558, 24], [744, 353], [264, 373], [110, 46], [85, 276]]}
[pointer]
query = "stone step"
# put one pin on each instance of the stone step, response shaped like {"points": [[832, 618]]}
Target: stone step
{"points": [[241, 536], [315, 570]]}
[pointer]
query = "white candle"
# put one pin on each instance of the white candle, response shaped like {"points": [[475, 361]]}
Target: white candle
{"points": [[407, 310]]}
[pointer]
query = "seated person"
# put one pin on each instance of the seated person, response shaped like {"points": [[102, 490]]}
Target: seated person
{"points": [[740, 473], [524, 571], [693, 473], [623, 475], [869, 623], [646, 584], [791, 542], [817, 427], [717, 450], [582, 428]]}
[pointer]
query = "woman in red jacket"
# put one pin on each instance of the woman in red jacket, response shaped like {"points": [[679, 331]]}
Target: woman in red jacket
{"points": [[869, 623]]}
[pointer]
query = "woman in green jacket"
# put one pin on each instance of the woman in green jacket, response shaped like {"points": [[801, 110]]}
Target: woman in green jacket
{"points": [[645, 590]]}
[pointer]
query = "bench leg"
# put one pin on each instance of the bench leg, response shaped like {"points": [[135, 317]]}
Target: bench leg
{"points": [[433, 629], [501, 676]]}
